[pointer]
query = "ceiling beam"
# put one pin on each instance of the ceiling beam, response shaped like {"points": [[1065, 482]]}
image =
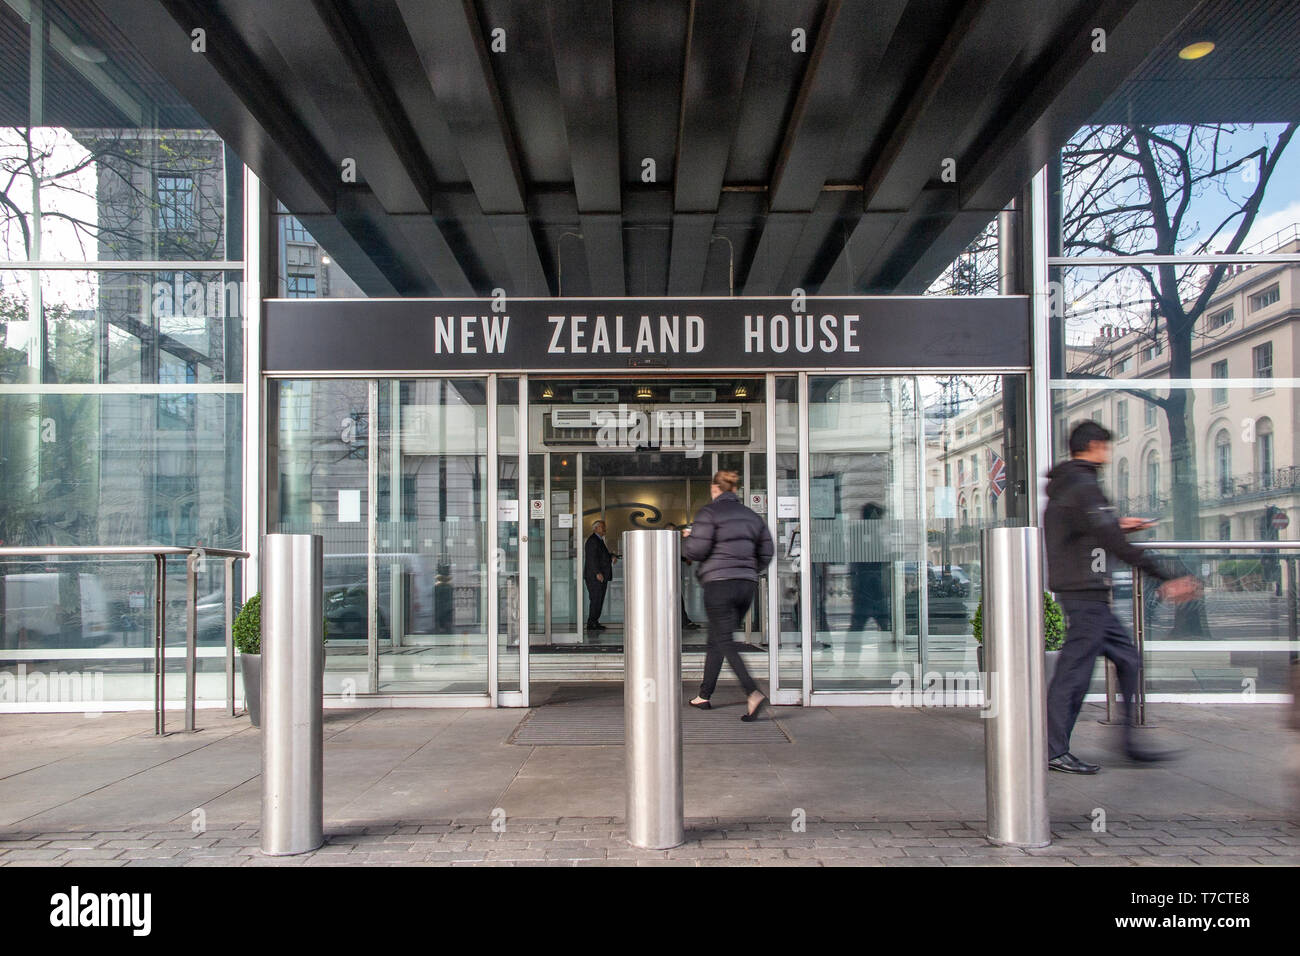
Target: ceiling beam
{"points": [[850, 45], [1065, 92], [717, 56], [582, 36], [322, 46], [234, 93], [450, 45]]}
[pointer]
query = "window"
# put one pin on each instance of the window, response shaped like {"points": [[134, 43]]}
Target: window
{"points": [[1223, 462], [1149, 353], [1262, 356], [301, 287], [1122, 484], [1262, 300], [1225, 529], [294, 231], [175, 203], [295, 407], [1096, 415], [1121, 418], [987, 421], [1149, 415], [176, 410], [1219, 319], [1264, 451], [1153, 481], [1219, 396], [1123, 365]]}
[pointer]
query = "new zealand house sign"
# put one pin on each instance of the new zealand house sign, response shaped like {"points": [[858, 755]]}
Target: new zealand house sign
{"points": [[429, 335]]}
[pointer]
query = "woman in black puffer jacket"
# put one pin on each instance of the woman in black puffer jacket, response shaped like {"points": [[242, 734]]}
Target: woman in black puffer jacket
{"points": [[730, 546]]}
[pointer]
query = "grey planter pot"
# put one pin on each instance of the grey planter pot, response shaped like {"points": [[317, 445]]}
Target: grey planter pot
{"points": [[1049, 667], [250, 665], [1051, 657]]}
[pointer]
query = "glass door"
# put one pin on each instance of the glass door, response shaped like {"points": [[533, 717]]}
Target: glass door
{"points": [[431, 536], [866, 537]]}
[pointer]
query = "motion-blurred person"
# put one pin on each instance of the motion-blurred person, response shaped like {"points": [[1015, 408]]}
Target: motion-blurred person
{"points": [[1083, 536]]}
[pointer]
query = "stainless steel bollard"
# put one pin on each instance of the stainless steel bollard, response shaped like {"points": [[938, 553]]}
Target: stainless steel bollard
{"points": [[1015, 728], [293, 672], [652, 687]]}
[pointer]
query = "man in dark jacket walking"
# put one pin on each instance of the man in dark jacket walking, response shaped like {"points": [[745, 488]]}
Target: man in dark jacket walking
{"points": [[731, 546], [597, 569], [1083, 536]]}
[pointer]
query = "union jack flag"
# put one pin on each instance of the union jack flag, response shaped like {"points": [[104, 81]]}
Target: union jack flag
{"points": [[997, 474]]}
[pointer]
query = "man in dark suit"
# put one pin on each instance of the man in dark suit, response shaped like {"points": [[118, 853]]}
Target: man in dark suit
{"points": [[597, 569]]}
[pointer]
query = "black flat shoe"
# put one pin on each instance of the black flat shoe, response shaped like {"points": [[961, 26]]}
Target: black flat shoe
{"points": [[702, 705], [1143, 755], [1069, 763], [753, 714]]}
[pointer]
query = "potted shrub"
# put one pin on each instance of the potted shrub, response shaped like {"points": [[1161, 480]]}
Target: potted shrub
{"points": [[1053, 634], [247, 631]]}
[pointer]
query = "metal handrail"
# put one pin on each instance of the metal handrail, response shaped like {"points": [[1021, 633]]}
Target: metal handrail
{"points": [[193, 555], [1139, 607]]}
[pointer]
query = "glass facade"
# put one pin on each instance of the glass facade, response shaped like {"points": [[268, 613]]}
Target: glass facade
{"points": [[1206, 349], [121, 376]]}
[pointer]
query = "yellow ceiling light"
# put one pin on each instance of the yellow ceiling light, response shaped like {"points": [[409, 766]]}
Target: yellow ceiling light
{"points": [[644, 392], [742, 391], [1194, 51], [548, 392]]}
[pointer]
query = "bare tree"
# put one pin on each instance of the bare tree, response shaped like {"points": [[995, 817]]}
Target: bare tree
{"points": [[1133, 190], [975, 270]]}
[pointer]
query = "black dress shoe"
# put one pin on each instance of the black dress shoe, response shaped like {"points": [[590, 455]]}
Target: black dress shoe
{"points": [[1069, 763]]}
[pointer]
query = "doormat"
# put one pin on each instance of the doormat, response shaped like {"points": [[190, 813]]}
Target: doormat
{"points": [[593, 717]]}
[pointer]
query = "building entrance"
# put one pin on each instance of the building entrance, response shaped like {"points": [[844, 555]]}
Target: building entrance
{"points": [[633, 455], [456, 509]]}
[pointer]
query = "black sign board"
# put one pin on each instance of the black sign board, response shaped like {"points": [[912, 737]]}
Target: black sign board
{"points": [[430, 335]]}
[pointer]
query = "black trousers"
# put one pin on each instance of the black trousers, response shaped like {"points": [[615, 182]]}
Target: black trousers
{"points": [[726, 603], [596, 597], [1091, 630]]}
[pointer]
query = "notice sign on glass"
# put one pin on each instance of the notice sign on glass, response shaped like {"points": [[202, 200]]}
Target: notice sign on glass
{"points": [[945, 501]]}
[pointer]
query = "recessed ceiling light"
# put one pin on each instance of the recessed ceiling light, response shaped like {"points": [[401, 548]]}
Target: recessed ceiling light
{"points": [[1194, 51], [91, 54]]}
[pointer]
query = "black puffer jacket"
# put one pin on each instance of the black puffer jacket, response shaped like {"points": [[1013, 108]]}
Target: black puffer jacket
{"points": [[1083, 536], [728, 542]]}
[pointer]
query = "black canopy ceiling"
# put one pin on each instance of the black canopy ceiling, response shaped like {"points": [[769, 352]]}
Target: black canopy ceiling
{"points": [[773, 167]]}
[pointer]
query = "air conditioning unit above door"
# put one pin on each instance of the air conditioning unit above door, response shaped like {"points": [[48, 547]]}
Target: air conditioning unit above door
{"points": [[709, 416], [569, 417]]}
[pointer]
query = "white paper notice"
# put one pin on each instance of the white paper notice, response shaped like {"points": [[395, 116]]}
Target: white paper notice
{"points": [[787, 506], [945, 501], [508, 510], [564, 520], [758, 502], [537, 507], [349, 505]]}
